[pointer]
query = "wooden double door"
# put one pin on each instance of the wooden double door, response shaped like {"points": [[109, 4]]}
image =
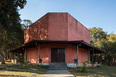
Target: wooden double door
{"points": [[58, 55]]}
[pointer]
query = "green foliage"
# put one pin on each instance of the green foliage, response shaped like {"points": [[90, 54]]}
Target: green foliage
{"points": [[20, 58], [102, 71], [107, 43], [84, 68], [25, 63], [17, 57], [11, 31], [110, 48], [98, 36], [40, 60]]}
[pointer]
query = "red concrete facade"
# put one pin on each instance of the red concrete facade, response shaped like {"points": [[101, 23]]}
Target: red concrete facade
{"points": [[57, 27], [76, 31], [45, 53]]}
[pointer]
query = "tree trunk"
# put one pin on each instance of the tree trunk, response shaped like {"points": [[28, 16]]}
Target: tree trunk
{"points": [[1, 52]]}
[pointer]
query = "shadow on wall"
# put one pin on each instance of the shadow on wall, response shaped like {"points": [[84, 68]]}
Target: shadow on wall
{"points": [[45, 60], [38, 30]]}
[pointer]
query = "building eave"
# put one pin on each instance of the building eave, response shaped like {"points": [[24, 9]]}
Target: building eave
{"points": [[35, 43]]}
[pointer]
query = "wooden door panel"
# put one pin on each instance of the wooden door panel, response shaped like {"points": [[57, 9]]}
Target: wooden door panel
{"points": [[54, 55], [61, 55], [57, 55]]}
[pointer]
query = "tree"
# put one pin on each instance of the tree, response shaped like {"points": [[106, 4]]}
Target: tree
{"points": [[25, 23], [109, 47], [97, 36], [10, 27], [105, 42]]}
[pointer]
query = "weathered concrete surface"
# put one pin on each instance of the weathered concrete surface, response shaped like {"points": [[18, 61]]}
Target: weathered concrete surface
{"points": [[45, 53], [57, 26], [58, 73], [76, 31], [38, 30]]}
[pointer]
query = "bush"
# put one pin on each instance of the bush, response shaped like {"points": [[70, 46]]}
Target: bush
{"points": [[40, 60], [84, 68], [25, 63]]}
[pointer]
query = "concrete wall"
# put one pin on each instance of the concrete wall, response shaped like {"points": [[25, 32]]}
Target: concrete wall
{"points": [[76, 31], [83, 55], [45, 53], [32, 55], [38, 30], [26, 35], [57, 26]]}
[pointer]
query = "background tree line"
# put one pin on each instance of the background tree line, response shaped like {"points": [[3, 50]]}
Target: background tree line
{"points": [[106, 42], [11, 31]]}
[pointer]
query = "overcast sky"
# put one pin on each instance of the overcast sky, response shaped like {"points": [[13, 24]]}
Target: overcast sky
{"points": [[91, 13]]}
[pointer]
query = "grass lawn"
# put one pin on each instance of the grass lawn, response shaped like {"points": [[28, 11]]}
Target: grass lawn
{"points": [[7, 62], [101, 71], [18, 71]]}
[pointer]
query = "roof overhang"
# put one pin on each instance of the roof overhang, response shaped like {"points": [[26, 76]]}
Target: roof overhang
{"points": [[35, 43]]}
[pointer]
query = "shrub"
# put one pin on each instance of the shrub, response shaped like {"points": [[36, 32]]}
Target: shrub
{"points": [[25, 63], [40, 60], [84, 68]]}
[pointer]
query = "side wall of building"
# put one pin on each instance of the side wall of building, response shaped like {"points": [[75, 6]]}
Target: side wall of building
{"points": [[38, 30], [76, 31], [32, 55], [83, 55], [45, 53]]}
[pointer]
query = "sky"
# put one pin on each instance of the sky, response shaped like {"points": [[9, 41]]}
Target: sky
{"points": [[91, 13]]}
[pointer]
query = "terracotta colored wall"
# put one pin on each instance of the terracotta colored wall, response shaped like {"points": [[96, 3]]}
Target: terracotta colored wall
{"points": [[76, 31], [83, 55], [26, 35], [32, 55], [57, 26], [45, 53], [71, 54], [38, 30]]}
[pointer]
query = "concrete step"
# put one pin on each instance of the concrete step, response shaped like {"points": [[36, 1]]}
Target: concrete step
{"points": [[57, 66]]}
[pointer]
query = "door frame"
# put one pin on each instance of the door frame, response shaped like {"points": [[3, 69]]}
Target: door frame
{"points": [[58, 49]]}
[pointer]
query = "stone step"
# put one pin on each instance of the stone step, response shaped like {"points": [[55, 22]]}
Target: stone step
{"points": [[57, 66]]}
